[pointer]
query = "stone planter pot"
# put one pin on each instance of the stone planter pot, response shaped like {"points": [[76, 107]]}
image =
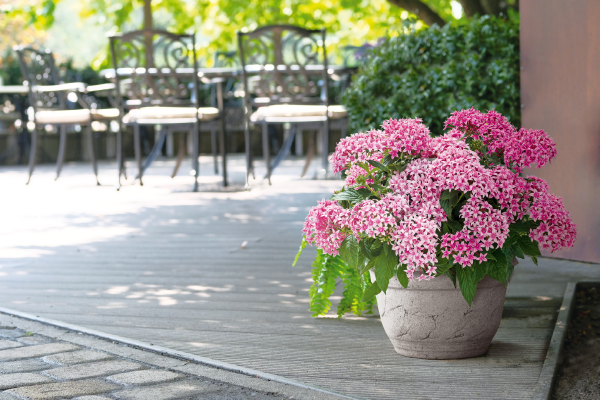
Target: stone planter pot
{"points": [[432, 320]]}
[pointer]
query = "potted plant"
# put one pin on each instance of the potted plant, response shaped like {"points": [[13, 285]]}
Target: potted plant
{"points": [[431, 227]]}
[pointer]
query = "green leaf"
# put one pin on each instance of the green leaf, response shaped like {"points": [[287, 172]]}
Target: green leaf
{"points": [[447, 207], [387, 160], [371, 292], [376, 248], [466, 283], [479, 270], [325, 272], [523, 227], [517, 251], [397, 167], [529, 247], [302, 246], [402, 277], [534, 259], [351, 195], [449, 195], [365, 249], [354, 287], [509, 270], [451, 273], [349, 250], [365, 193], [379, 165], [385, 266], [456, 226], [499, 269]]}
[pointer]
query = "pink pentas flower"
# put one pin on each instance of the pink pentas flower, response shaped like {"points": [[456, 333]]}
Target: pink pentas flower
{"points": [[409, 216], [527, 147], [405, 137], [323, 226]]}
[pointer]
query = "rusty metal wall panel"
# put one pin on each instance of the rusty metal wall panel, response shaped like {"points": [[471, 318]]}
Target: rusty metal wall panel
{"points": [[560, 89]]}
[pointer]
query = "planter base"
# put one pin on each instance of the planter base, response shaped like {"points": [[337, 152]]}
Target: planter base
{"points": [[432, 320], [441, 351]]}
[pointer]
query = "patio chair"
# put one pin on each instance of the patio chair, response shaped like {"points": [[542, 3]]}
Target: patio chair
{"points": [[159, 87], [49, 98], [286, 79]]}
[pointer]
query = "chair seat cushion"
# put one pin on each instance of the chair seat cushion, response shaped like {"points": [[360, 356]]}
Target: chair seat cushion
{"points": [[75, 116], [292, 111], [170, 114]]}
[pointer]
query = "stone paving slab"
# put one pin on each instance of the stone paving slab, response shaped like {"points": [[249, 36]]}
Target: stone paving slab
{"points": [[93, 397], [9, 333], [9, 381], [50, 391], [146, 377], [12, 367], [92, 370], [149, 376], [36, 351], [77, 357], [8, 344], [30, 340], [175, 390]]}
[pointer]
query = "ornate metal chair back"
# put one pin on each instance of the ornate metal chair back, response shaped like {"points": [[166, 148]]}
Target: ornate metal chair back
{"points": [[223, 59], [38, 69], [155, 68], [284, 64]]}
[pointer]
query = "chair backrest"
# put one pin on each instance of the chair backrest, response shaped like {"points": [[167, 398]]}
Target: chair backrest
{"points": [[225, 59], [284, 64], [38, 69], [155, 67]]}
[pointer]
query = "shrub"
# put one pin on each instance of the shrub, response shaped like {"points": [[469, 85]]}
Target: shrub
{"points": [[431, 72]]}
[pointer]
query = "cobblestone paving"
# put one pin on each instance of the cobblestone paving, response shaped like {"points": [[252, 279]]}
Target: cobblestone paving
{"points": [[36, 367]]}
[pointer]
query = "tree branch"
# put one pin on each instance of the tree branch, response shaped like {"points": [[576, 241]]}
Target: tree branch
{"points": [[492, 7], [472, 7], [421, 10]]}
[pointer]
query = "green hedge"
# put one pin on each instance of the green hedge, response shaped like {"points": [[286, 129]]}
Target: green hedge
{"points": [[433, 71]]}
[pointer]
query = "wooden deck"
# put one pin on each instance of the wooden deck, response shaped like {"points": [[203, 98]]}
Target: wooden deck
{"points": [[166, 266]]}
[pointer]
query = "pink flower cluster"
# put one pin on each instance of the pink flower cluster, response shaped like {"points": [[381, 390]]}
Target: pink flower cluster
{"points": [[322, 227], [408, 214], [520, 148], [556, 229]]}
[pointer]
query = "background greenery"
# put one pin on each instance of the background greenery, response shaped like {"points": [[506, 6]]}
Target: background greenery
{"points": [[429, 73]]}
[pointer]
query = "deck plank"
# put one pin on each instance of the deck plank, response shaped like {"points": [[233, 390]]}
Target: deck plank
{"points": [[165, 266]]}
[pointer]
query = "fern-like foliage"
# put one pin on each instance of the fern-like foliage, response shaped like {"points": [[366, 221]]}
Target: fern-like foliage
{"points": [[354, 289], [325, 272]]}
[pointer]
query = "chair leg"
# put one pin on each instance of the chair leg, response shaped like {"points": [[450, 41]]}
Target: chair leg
{"points": [[91, 150], [180, 153], [285, 148], [61, 150], [213, 146], [32, 153], [195, 151], [120, 163], [248, 156], [325, 149], [310, 153], [266, 152], [137, 148], [223, 148]]}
